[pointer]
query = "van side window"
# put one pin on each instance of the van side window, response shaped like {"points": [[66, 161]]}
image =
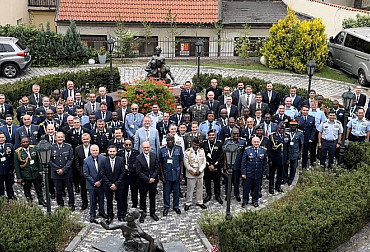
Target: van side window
{"points": [[357, 43], [339, 38]]}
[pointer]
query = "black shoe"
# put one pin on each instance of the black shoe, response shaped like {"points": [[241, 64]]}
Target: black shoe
{"points": [[73, 208], [202, 206], [109, 220], [290, 183], [142, 219], [154, 216], [64, 194], [52, 195], [181, 195], [279, 189], [12, 197], [84, 206], [43, 203], [271, 191], [207, 198], [93, 220], [219, 200], [103, 215], [244, 204], [283, 182], [77, 189], [260, 195], [255, 204], [186, 208], [177, 210], [120, 219], [134, 206], [238, 199], [165, 212]]}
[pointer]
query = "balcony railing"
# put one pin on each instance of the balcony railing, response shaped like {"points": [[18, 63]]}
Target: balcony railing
{"points": [[42, 3]]}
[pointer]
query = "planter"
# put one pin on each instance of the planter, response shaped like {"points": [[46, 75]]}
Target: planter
{"points": [[102, 58]]}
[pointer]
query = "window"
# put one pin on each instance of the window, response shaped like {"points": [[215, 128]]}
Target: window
{"points": [[8, 48], [95, 41], [144, 47], [2, 48], [357, 44], [339, 38], [255, 43], [185, 46]]}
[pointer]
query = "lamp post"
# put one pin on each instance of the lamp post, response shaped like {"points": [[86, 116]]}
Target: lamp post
{"points": [[231, 150], [110, 45], [43, 149], [347, 98], [199, 47], [311, 67]]}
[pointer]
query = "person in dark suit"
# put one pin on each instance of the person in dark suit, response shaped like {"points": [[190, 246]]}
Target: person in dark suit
{"points": [[187, 97], [239, 91], [259, 105], [216, 90], [9, 129], [6, 167], [103, 113], [297, 101], [231, 109], [226, 131], [69, 107], [162, 126], [311, 98], [268, 126], [367, 115], [22, 110], [178, 117], [70, 91], [339, 111], [280, 116], [103, 97], [91, 170], [4, 107], [113, 173], [92, 123], [60, 116], [49, 120], [212, 103], [78, 102], [271, 97], [123, 110], [80, 153], [249, 130], [360, 98], [41, 111], [226, 93], [36, 98], [147, 169], [29, 130]]}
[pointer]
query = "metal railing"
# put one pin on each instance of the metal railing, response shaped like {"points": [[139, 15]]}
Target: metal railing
{"points": [[42, 3]]}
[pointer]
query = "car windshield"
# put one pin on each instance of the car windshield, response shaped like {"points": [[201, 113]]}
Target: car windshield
{"points": [[20, 45]]}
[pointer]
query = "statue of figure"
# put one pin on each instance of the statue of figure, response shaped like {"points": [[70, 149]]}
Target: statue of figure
{"points": [[157, 68], [133, 235]]}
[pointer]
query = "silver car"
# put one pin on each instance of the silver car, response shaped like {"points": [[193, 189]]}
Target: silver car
{"points": [[14, 57]]}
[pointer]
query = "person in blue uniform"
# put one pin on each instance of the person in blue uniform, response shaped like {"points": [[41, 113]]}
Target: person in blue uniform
{"points": [[6, 167], [242, 143], [330, 136], [209, 124], [358, 128], [254, 166], [171, 166], [296, 140], [306, 123], [187, 97]]}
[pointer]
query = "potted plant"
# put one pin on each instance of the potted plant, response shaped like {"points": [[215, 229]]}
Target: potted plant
{"points": [[102, 55]]}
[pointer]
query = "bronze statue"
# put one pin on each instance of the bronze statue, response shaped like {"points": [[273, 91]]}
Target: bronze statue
{"points": [[133, 235], [157, 67]]}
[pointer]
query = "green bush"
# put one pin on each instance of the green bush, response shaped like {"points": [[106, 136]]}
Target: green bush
{"points": [[359, 21], [25, 227], [87, 79], [355, 154], [324, 210]]}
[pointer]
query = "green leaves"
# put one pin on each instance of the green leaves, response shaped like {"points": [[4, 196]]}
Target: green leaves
{"points": [[359, 21]]}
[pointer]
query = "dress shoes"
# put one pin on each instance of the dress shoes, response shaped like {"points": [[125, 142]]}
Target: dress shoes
{"points": [[279, 189], [271, 191], [154, 216], [177, 210], [290, 183], [260, 195], [219, 200], [181, 195], [202, 206], [244, 204], [77, 190], [207, 198], [73, 208], [93, 220], [103, 215], [109, 220], [165, 212], [255, 204], [84, 206], [52, 195], [142, 218], [238, 199], [186, 208], [64, 194], [43, 203], [120, 219]]}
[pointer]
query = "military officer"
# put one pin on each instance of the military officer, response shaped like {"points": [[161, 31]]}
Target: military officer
{"points": [[226, 131], [278, 157], [198, 111], [187, 97], [73, 136], [242, 143], [254, 166], [6, 167], [290, 110], [358, 128], [193, 134], [296, 141], [329, 138], [118, 141], [171, 166], [163, 125], [101, 136], [210, 124], [242, 120], [41, 111], [214, 163], [61, 169], [338, 111], [264, 142], [28, 169], [28, 129], [115, 123], [306, 123], [49, 120]]}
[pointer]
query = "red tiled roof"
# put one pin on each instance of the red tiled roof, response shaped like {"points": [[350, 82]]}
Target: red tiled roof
{"points": [[188, 11]]}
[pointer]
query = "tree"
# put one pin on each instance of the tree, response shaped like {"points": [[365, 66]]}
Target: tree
{"points": [[73, 47], [359, 21], [242, 44], [124, 40]]}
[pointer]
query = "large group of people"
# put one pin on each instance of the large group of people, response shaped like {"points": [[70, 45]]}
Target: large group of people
{"points": [[106, 153]]}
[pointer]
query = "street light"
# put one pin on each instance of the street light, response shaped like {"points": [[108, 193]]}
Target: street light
{"points": [[311, 67], [231, 150], [347, 98], [43, 149], [110, 45], [199, 47]]}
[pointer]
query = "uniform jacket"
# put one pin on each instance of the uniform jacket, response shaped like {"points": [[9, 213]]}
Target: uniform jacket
{"points": [[108, 115], [41, 112], [61, 159], [162, 129], [254, 165], [187, 99], [70, 110], [27, 167], [278, 148], [189, 136], [174, 119], [295, 142], [171, 171], [21, 132], [213, 157], [73, 136], [22, 110], [131, 177], [204, 127], [242, 144], [33, 101], [101, 138], [8, 109], [198, 115], [9, 138], [194, 164], [307, 127], [7, 159]]}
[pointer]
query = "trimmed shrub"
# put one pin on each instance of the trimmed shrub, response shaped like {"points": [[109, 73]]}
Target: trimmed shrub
{"points": [[25, 227], [88, 79], [356, 154], [359, 21]]}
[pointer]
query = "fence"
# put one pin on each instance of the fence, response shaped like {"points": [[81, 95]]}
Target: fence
{"points": [[42, 3]]}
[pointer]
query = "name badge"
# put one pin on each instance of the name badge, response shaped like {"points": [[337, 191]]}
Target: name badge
{"points": [[195, 166], [32, 161], [169, 161], [291, 143], [126, 167], [209, 155], [132, 126], [3, 159]]}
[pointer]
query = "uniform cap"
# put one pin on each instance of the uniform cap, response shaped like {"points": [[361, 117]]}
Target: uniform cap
{"points": [[293, 122], [211, 131], [259, 127], [281, 125]]}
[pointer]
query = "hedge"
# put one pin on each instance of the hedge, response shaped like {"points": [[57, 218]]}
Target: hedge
{"points": [[94, 77], [324, 210], [25, 227]]}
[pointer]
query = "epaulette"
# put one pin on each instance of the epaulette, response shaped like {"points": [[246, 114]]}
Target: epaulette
{"points": [[31, 146], [68, 144], [217, 123], [228, 138], [218, 141], [336, 121], [300, 130], [188, 150], [204, 122], [263, 147], [18, 149], [242, 138], [162, 146], [204, 141], [248, 147], [272, 133]]}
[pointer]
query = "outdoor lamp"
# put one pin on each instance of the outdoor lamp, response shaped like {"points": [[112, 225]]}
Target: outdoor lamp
{"points": [[43, 149], [199, 46], [110, 45], [348, 97], [311, 67]]}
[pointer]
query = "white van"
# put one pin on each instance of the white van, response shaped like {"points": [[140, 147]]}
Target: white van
{"points": [[350, 50]]}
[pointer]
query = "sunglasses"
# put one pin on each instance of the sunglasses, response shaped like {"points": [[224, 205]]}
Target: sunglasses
{"points": [[134, 109], [128, 144]]}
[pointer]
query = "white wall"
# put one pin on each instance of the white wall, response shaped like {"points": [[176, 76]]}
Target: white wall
{"points": [[13, 10]]}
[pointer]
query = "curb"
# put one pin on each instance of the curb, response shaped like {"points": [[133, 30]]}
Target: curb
{"points": [[78, 238], [203, 238]]}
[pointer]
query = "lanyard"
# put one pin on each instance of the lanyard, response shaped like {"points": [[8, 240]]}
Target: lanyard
{"points": [[209, 145], [170, 154], [292, 137]]}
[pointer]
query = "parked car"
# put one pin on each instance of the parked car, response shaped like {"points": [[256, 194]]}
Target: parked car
{"points": [[350, 50], [14, 57]]}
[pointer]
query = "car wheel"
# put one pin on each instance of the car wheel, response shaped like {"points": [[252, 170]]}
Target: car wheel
{"points": [[330, 60], [362, 78], [10, 70]]}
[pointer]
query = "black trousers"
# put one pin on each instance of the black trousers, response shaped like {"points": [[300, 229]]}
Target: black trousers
{"points": [[8, 179], [51, 183], [134, 195], [278, 169], [315, 152], [214, 176], [60, 184], [118, 197], [27, 188], [83, 190], [144, 189]]}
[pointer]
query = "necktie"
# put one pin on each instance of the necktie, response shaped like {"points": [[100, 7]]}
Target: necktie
{"points": [[211, 105], [2, 109], [70, 93], [103, 116], [281, 117], [37, 99], [112, 164], [250, 132], [2, 149], [128, 155], [178, 119], [96, 165], [10, 130], [93, 107], [256, 151], [147, 159], [198, 107], [267, 130], [305, 118], [269, 93], [189, 92], [247, 100], [210, 126], [28, 132], [240, 93], [259, 105], [60, 118], [358, 97], [147, 134]]}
